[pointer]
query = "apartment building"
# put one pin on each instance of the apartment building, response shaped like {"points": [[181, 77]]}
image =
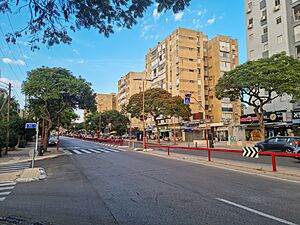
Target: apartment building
{"points": [[129, 85], [222, 57], [186, 62], [106, 102], [273, 26]]}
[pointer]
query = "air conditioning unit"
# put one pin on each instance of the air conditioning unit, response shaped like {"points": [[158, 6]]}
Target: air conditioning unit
{"points": [[249, 10], [263, 18], [250, 25], [276, 8]]}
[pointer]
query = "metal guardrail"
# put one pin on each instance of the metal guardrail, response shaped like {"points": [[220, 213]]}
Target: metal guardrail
{"points": [[209, 150]]}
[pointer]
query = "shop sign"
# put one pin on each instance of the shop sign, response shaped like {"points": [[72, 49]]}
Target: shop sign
{"points": [[269, 117], [296, 117]]}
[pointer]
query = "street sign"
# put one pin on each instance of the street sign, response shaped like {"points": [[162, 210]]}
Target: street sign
{"points": [[30, 126], [187, 100], [251, 152], [187, 130]]}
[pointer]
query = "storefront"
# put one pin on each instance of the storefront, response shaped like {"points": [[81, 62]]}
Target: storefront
{"points": [[276, 124], [296, 122]]}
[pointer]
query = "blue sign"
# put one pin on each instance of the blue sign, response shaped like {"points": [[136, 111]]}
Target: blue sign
{"points": [[30, 126], [187, 130], [187, 100]]}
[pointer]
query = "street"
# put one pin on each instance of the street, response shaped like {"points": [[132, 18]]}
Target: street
{"points": [[121, 187]]}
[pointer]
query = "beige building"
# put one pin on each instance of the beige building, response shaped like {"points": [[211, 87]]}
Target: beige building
{"points": [[106, 102], [128, 85], [222, 57], [186, 62]]}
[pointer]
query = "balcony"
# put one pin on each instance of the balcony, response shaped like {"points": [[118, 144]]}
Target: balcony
{"points": [[264, 38], [296, 13]]}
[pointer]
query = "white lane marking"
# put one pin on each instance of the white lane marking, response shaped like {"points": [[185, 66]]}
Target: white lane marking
{"points": [[5, 193], [2, 199], [95, 151], [256, 212], [77, 152], [7, 184], [6, 188], [85, 151]]}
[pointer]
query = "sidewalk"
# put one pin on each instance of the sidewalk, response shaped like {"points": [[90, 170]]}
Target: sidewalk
{"points": [[24, 155]]}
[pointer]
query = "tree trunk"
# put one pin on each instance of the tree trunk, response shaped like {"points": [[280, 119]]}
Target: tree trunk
{"points": [[46, 135], [260, 116], [158, 131]]}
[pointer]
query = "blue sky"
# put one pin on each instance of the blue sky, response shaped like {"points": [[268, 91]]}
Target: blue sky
{"points": [[102, 61]]}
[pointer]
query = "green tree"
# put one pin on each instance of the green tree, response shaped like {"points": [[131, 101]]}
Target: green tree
{"points": [[50, 21], [256, 83], [158, 103], [114, 118], [53, 91]]}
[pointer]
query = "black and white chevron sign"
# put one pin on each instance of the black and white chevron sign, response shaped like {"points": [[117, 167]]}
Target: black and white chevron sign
{"points": [[250, 152]]}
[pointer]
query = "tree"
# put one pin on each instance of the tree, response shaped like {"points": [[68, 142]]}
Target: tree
{"points": [[51, 20], [256, 83], [114, 118], [54, 91], [158, 103]]}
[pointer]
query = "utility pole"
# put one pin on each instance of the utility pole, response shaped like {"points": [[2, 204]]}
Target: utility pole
{"points": [[58, 126], [8, 117]]}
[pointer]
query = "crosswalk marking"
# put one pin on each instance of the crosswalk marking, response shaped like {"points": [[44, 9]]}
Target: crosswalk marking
{"points": [[80, 151], [8, 168], [77, 152], [6, 189], [85, 151]]}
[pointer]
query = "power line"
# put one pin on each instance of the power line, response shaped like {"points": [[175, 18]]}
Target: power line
{"points": [[13, 71], [13, 30], [11, 52]]}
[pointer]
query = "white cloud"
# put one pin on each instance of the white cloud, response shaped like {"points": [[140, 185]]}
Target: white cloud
{"points": [[80, 61], [211, 20], [156, 14], [178, 16], [16, 84], [76, 51], [15, 62]]}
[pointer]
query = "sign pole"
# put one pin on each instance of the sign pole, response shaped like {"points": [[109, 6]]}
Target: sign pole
{"points": [[36, 144]]}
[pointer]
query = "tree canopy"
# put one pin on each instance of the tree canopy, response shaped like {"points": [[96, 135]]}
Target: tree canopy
{"points": [[55, 91], [258, 82], [158, 103], [50, 21], [110, 118]]}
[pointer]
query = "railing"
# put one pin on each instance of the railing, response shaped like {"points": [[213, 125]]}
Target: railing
{"points": [[209, 150]]}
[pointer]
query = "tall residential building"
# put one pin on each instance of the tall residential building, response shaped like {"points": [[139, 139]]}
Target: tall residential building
{"points": [[222, 57], [186, 62], [178, 64], [106, 102], [273, 26], [128, 85]]}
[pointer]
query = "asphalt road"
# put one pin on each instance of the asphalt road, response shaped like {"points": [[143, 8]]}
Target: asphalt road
{"points": [[136, 188]]}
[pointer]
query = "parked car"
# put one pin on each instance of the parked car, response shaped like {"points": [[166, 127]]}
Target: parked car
{"points": [[279, 144], [297, 151], [52, 141]]}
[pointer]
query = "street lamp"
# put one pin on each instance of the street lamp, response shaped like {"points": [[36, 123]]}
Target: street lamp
{"points": [[143, 110], [206, 125]]}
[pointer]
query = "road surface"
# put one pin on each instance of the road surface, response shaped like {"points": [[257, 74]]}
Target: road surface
{"points": [[135, 188]]}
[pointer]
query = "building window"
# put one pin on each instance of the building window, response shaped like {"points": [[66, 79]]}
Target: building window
{"points": [[250, 5], [297, 33], [297, 13], [278, 20], [266, 47], [250, 23], [264, 13], [251, 37], [265, 30], [251, 53], [277, 2], [279, 39], [191, 60]]}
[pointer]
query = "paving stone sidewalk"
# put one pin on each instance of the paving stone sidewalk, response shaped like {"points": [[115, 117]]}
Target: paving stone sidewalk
{"points": [[24, 155]]}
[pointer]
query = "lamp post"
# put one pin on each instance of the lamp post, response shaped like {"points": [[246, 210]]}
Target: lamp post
{"points": [[143, 108]]}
